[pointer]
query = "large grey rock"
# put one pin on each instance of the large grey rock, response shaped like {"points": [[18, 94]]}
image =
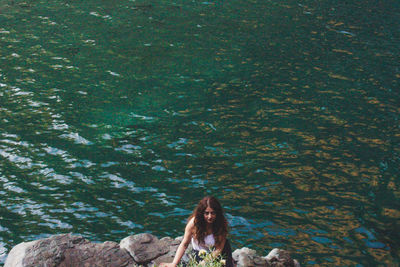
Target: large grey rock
{"points": [[91, 255], [173, 247], [68, 250], [17, 254], [281, 258], [169, 256], [145, 247], [244, 257], [260, 261]]}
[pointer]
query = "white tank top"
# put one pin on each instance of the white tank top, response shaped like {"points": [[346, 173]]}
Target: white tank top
{"points": [[209, 241]]}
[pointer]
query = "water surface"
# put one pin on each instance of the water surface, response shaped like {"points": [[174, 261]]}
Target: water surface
{"points": [[116, 117]]}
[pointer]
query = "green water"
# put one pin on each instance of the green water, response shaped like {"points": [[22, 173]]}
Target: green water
{"points": [[117, 116]]}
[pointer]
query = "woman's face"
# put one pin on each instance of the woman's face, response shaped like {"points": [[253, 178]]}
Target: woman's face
{"points": [[209, 215]]}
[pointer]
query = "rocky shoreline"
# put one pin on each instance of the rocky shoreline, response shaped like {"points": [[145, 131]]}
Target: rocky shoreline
{"points": [[136, 250]]}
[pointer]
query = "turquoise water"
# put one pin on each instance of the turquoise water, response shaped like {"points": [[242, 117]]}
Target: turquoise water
{"points": [[117, 116]]}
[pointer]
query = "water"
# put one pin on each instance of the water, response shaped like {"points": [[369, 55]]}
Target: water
{"points": [[118, 116]]}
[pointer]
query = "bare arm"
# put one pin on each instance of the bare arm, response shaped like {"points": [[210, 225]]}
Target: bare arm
{"points": [[183, 245], [219, 248]]}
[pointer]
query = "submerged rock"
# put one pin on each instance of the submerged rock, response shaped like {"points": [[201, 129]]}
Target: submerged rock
{"points": [[136, 250]]}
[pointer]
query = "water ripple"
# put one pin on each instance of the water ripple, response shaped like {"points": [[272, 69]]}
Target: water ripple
{"points": [[292, 123], [76, 138], [3, 252]]}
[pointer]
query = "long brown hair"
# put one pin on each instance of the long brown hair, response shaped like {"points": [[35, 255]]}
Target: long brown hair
{"points": [[219, 226]]}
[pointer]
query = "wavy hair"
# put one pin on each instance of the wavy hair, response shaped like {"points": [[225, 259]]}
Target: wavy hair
{"points": [[219, 226]]}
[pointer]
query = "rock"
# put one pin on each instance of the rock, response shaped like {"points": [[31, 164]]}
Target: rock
{"points": [[169, 256], [17, 254], [105, 254], [68, 250], [143, 250], [281, 258], [243, 251], [145, 247], [260, 262], [50, 251], [244, 257]]}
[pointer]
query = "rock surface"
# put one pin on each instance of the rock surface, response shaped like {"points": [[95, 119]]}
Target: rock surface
{"points": [[68, 250], [281, 258], [136, 250], [144, 247]]}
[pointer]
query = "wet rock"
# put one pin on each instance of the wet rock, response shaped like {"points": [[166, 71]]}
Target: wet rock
{"points": [[145, 247]]}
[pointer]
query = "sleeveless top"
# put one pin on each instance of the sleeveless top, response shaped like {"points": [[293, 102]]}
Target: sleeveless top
{"points": [[209, 241]]}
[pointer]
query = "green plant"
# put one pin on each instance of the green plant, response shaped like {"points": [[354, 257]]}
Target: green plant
{"points": [[208, 259]]}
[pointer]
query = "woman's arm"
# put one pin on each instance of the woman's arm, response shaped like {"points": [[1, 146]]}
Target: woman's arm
{"points": [[219, 248], [182, 246]]}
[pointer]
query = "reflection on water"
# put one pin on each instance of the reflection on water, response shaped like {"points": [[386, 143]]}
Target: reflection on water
{"points": [[116, 117]]}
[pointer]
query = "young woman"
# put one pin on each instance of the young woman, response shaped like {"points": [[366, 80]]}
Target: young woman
{"points": [[206, 229]]}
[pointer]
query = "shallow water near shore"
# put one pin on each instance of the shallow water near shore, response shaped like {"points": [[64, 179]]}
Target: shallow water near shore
{"points": [[116, 117]]}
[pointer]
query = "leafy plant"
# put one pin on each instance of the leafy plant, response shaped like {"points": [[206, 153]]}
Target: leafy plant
{"points": [[207, 260]]}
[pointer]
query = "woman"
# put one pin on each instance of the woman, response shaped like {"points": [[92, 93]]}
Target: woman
{"points": [[206, 229]]}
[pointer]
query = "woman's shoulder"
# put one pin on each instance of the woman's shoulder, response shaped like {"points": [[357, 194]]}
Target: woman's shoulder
{"points": [[190, 223]]}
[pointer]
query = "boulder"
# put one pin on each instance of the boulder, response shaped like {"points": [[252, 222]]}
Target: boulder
{"points": [[260, 262], [145, 247], [145, 250], [281, 258], [68, 250], [173, 247], [246, 257], [169, 256], [17, 254]]}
